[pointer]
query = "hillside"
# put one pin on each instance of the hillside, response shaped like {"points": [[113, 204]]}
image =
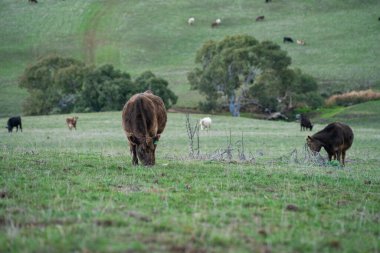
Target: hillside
{"points": [[341, 50]]}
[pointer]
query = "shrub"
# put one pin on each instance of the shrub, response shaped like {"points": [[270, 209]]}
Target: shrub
{"points": [[353, 97]]}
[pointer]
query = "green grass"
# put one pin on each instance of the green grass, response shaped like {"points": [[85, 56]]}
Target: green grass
{"points": [[342, 37], [76, 191]]}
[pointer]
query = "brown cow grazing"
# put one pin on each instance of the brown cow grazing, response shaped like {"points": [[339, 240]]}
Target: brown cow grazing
{"points": [[72, 122], [144, 119], [260, 18], [336, 138], [305, 123]]}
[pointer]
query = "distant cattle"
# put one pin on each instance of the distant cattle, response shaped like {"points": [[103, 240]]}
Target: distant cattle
{"points": [[191, 21], [336, 138], [14, 122], [305, 123], [33, 1], [216, 23], [144, 119], [72, 123], [301, 42], [288, 39], [205, 123], [267, 1], [260, 18]]}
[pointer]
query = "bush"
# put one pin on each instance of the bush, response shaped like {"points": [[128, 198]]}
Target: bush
{"points": [[353, 97]]}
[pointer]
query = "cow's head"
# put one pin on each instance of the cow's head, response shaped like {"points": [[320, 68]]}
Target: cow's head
{"points": [[146, 148], [314, 144], [9, 127]]}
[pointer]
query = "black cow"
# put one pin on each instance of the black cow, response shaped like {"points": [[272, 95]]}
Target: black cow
{"points": [[267, 1], [288, 39], [260, 18], [14, 122], [305, 123], [335, 138], [33, 1]]}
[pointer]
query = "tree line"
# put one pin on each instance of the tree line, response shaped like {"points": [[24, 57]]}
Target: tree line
{"points": [[63, 85], [236, 73]]}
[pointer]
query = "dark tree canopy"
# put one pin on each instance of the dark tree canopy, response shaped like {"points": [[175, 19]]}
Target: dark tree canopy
{"points": [[63, 85]]}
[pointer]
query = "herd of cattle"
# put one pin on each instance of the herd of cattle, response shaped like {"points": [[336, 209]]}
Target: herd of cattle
{"points": [[144, 119]]}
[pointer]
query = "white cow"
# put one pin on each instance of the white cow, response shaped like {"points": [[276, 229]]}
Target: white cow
{"points": [[205, 123]]}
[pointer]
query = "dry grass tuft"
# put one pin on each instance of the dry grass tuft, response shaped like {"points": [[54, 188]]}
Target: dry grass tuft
{"points": [[353, 97]]}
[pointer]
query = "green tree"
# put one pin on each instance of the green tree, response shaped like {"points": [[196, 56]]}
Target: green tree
{"points": [[239, 68], [159, 86], [104, 89], [47, 86]]}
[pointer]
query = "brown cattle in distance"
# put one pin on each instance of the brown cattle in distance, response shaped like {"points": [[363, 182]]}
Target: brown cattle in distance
{"points": [[144, 119], [336, 138], [72, 122]]}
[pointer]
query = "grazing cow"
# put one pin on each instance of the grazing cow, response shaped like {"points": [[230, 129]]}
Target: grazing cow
{"points": [[14, 122], [288, 39], [205, 123], [305, 123], [260, 18], [72, 122], [335, 138], [267, 1], [216, 23], [33, 1], [191, 21], [144, 119], [301, 42]]}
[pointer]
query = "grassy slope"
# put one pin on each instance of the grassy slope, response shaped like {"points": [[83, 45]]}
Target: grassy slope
{"points": [[341, 36], [76, 191]]}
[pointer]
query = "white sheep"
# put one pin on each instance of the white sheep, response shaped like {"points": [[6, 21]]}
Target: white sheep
{"points": [[191, 21], [205, 123]]}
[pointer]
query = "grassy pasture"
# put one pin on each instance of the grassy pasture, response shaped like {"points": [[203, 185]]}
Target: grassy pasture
{"points": [[342, 37], [76, 191]]}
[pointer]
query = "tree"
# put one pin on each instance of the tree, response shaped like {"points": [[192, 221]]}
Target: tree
{"points": [[47, 85], [240, 68], [105, 89], [159, 86]]}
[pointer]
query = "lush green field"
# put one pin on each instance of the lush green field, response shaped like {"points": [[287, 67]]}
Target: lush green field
{"points": [[76, 191], [342, 37]]}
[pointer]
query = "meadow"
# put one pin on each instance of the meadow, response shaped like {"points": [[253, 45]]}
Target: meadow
{"points": [[341, 51], [76, 191]]}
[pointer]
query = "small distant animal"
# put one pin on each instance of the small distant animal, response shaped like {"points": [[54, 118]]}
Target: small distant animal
{"points": [[33, 1], [288, 39], [336, 138], [267, 1], [205, 123], [144, 119], [216, 23], [305, 123], [260, 18], [14, 122], [191, 21], [72, 122], [301, 42]]}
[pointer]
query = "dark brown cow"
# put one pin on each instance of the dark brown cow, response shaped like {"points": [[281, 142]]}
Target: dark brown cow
{"points": [[72, 122], [144, 119], [260, 18], [305, 123], [336, 138]]}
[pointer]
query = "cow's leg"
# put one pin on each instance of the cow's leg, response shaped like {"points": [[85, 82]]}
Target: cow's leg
{"points": [[135, 161], [330, 156], [343, 157]]}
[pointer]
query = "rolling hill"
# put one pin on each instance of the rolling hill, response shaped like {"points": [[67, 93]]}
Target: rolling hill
{"points": [[341, 50]]}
